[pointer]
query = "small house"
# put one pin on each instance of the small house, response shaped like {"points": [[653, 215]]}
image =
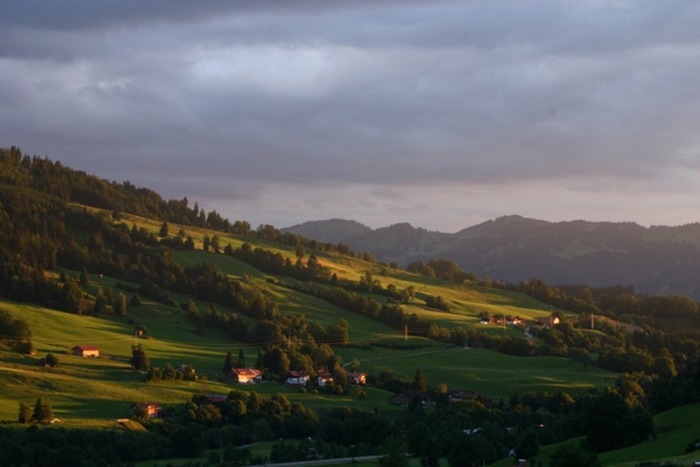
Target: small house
{"points": [[86, 351], [405, 398], [547, 322], [151, 409], [324, 379], [297, 378], [357, 377], [246, 375]]}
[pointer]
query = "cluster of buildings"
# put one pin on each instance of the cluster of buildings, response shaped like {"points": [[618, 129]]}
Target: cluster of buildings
{"points": [[516, 321], [294, 378]]}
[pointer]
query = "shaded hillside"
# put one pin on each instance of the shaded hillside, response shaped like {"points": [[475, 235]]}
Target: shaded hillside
{"points": [[654, 260]]}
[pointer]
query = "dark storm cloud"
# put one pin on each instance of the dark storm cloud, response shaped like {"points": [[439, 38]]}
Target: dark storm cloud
{"points": [[399, 103]]}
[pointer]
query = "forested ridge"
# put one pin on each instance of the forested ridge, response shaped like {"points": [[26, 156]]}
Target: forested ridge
{"points": [[52, 238], [655, 259]]}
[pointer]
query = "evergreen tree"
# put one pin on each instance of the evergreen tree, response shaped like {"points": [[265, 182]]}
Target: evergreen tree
{"points": [[100, 302], [135, 300], [120, 305], [84, 281], [74, 298], [228, 363], [419, 383], [42, 411], [51, 360], [139, 359], [25, 413], [215, 243]]}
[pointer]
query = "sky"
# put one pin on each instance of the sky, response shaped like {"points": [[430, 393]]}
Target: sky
{"points": [[441, 114]]}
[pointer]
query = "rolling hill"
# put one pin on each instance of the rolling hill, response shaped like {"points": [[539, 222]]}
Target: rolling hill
{"points": [[450, 355]]}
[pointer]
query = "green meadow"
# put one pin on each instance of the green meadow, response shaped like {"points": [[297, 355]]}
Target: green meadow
{"points": [[484, 371]]}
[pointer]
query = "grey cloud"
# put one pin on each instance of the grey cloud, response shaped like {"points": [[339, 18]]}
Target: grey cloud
{"points": [[247, 95]]}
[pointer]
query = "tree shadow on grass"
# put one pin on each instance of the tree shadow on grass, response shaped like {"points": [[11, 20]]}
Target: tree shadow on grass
{"points": [[101, 409]]}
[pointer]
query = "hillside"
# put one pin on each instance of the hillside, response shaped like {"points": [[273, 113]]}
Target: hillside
{"points": [[331, 231], [654, 260], [175, 298]]}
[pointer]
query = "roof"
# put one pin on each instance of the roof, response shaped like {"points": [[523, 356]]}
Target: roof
{"points": [[145, 405], [250, 372], [86, 347]]}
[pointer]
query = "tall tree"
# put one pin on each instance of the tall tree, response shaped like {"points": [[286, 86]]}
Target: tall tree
{"points": [[25, 413], [139, 359], [228, 363], [215, 243], [42, 411], [419, 382], [120, 305]]}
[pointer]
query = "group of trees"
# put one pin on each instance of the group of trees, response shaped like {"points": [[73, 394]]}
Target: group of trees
{"points": [[15, 333], [75, 446], [465, 433], [42, 412], [243, 418]]}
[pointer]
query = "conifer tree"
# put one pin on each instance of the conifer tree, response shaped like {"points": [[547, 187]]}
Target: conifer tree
{"points": [[241, 359], [42, 411], [25, 413], [228, 363], [139, 359], [419, 383], [120, 305]]}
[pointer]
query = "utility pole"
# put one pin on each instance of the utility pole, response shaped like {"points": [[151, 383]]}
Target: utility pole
{"points": [[405, 333]]}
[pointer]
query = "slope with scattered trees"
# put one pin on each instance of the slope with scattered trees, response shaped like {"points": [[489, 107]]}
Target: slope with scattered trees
{"points": [[64, 226]]}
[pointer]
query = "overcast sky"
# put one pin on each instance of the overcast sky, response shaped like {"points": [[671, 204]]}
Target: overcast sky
{"points": [[440, 114]]}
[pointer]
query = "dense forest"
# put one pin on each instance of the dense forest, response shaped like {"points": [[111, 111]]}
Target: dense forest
{"points": [[60, 220]]}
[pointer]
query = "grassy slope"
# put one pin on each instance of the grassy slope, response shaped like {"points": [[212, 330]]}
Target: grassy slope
{"points": [[101, 389], [675, 430], [484, 371], [94, 392]]}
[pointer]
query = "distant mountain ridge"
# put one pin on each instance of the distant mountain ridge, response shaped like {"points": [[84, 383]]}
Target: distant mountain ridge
{"points": [[655, 260], [330, 231]]}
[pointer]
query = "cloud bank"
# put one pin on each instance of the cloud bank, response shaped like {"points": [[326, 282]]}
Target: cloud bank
{"points": [[441, 114]]}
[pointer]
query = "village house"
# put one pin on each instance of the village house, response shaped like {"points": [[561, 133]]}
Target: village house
{"points": [[246, 375], [517, 321], [404, 398], [86, 351], [297, 378], [357, 377], [216, 399], [460, 395], [546, 322], [151, 409], [324, 379]]}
